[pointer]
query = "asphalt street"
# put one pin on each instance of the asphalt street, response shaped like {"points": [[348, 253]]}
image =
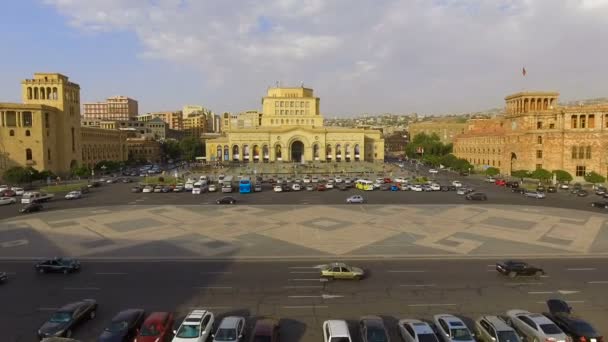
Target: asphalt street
{"points": [[120, 195], [291, 292]]}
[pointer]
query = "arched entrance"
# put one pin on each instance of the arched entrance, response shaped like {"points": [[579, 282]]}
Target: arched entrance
{"points": [[297, 151]]}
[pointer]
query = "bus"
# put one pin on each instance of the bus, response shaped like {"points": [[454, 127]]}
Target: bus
{"points": [[245, 185], [363, 184]]}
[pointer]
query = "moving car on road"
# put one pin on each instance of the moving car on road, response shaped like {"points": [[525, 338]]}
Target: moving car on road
{"points": [[31, 208], [196, 327], [372, 329], [457, 184], [535, 194], [336, 331], [452, 329], [413, 330], [513, 268], [123, 327], [58, 265], [7, 200], [575, 327], [339, 270], [226, 200], [63, 321], [494, 329], [230, 329], [355, 199], [476, 196], [156, 327], [535, 326], [600, 204], [73, 195]]}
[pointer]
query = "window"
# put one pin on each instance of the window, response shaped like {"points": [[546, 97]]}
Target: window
{"points": [[574, 154], [539, 125], [583, 120], [28, 154], [581, 170], [573, 121], [588, 152], [539, 140], [73, 141], [27, 133], [581, 152], [591, 121], [27, 119], [551, 126], [539, 166], [539, 154], [276, 103], [11, 119], [48, 154], [11, 133]]}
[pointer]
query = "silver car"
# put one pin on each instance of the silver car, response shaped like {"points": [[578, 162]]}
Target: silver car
{"points": [[535, 194], [230, 330], [355, 199], [413, 330], [452, 329], [535, 327], [494, 329]]}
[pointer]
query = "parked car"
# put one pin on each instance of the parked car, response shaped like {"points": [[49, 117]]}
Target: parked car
{"points": [[31, 208], [156, 327], [296, 187], [196, 327], [518, 190], [166, 189], [476, 196], [257, 187], [413, 330], [513, 268], [372, 329], [489, 180], [494, 329], [416, 188], [136, 189], [582, 193], [535, 194], [457, 184], [355, 199], [336, 331], [339, 270], [265, 330], [18, 191], [8, 193], [575, 327], [512, 184], [501, 182], [73, 195], [329, 185], [277, 188], [540, 188], [65, 320], [564, 186], [147, 189], [231, 329], [321, 187], [600, 204], [435, 187], [7, 200], [309, 187], [123, 327], [226, 200], [535, 326], [452, 329], [551, 189], [58, 265], [180, 187]]}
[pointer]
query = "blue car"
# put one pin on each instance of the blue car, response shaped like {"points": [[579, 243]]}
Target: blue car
{"points": [[394, 188]]}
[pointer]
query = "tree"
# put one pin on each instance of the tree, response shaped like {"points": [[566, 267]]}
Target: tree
{"points": [[81, 171], [492, 171], [541, 174], [593, 177], [171, 149], [562, 176], [430, 144], [190, 148], [520, 173], [432, 160], [15, 175], [448, 160], [462, 165], [46, 174]]}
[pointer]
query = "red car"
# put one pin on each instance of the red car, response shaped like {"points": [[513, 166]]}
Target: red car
{"points": [[8, 193], [500, 182], [321, 187], [266, 331], [387, 180], [156, 327]]}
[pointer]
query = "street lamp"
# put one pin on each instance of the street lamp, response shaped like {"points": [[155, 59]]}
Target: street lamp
{"points": [[103, 169]]}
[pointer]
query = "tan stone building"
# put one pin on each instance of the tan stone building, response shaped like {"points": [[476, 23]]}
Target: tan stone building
{"points": [[173, 119], [195, 125], [141, 149], [290, 128], [446, 129], [100, 144], [535, 132], [115, 108]]}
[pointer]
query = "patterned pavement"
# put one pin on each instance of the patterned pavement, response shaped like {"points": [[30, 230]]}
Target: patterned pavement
{"points": [[300, 231]]}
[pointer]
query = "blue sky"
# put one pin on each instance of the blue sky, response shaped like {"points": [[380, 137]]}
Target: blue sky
{"points": [[378, 56]]}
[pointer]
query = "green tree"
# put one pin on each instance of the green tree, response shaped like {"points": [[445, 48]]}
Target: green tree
{"points": [[431, 145], [492, 171], [448, 160], [171, 149], [44, 174], [462, 165], [520, 173], [15, 175], [191, 148], [541, 174], [562, 176], [81, 171], [432, 160], [594, 177]]}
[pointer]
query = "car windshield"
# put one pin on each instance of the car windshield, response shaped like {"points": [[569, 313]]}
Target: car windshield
{"points": [[427, 338], [507, 336], [550, 329], [188, 331], [225, 335], [60, 317], [376, 335], [117, 326], [461, 334], [149, 330]]}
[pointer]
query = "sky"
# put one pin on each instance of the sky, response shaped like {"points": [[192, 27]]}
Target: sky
{"points": [[359, 56]]}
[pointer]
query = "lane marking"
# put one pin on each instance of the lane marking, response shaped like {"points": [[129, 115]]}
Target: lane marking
{"points": [[323, 296], [303, 287], [305, 272], [406, 271], [431, 304], [581, 269], [305, 307], [213, 287], [111, 273], [523, 284], [493, 265], [540, 292], [598, 282], [306, 267], [82, 288], [569, 301], [564, 292], [417, 285]]}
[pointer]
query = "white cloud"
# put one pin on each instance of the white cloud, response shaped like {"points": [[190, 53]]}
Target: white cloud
{"points": [[401, 52]]}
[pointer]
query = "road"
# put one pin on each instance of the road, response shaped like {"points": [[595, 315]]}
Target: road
{"points": [[291, 291]]}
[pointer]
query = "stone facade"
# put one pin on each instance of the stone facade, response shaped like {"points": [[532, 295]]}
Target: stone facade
{"points": [[147, 150], [535, 132], [115, 108], [447, 130], [100, 144], [290, 128]]}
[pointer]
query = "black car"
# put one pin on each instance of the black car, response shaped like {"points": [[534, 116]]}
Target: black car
{"points": [[372, 329], [476, 196], [63, 321], [577, 328], [452, 188], [582, 193], [226, 200], [3, 277], [61, 265], [123, 326], [94, 184], [444, 188], [518, 190], [287, 188], [551, 189], [600, 204], [512, 184], [31, 208], [514, 268]]}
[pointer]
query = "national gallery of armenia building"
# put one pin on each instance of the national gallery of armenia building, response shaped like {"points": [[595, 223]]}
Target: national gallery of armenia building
{"points": [[290, 129]]}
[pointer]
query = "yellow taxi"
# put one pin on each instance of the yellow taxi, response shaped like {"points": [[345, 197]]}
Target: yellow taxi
{"points": [[338, 270]]}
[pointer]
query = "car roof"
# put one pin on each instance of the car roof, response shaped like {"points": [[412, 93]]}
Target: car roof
{"points": [[71, 306], [264, 327], [418, 326], [229, 322], [127, 315], [156, 318], [539, 318], [338, 328], [372, 321], [497, 323], [196, 314], [450, 319]]}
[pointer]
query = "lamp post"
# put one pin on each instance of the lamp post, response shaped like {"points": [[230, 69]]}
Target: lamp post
{"points": [[103, 169]]}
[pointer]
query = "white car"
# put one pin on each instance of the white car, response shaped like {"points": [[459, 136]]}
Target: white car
{"points": [[494, 329], [315, 179], [212, 188], [7, 200], [338, 180], [277, 188], [535, 194], [433, 171], [296, 187], [400, 180], [416, 187], [306, 179], [355, 199], [73, 195], [490, 180], [435, 187], [147, 189], [329, 185], [535, 326], [563, 186], [452, 329], [336, 331], [196, 190], [179, 187], [196, 327], [4, 187], [413, 330], [457, 184], [18, 191]]}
